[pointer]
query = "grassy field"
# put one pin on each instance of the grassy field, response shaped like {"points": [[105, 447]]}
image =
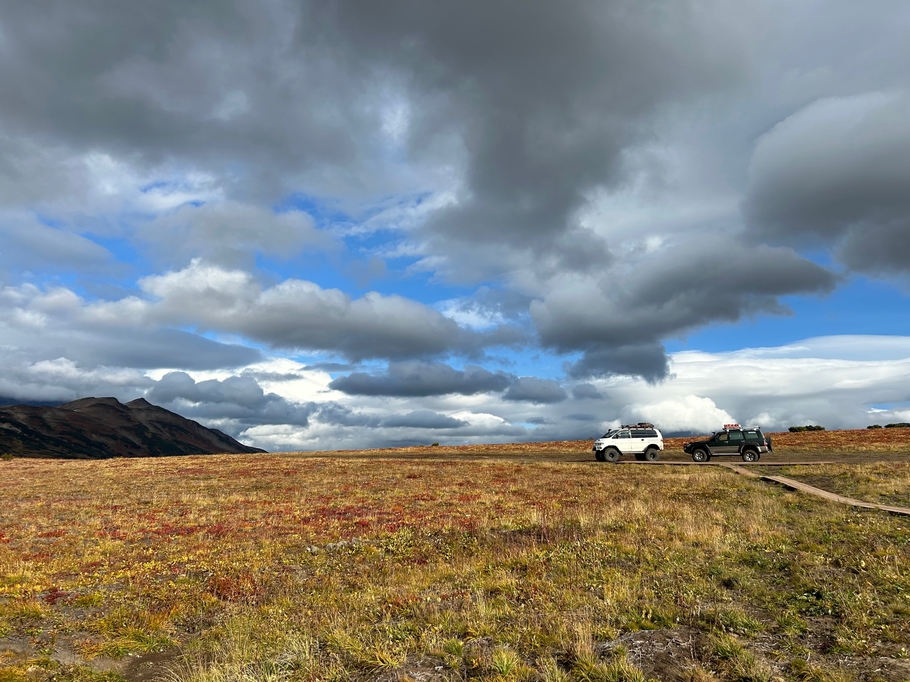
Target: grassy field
{"points": [[295, 567]]}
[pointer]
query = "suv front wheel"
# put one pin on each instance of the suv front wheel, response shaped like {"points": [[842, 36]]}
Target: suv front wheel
{"points": [[700, 455], [610, 454]]}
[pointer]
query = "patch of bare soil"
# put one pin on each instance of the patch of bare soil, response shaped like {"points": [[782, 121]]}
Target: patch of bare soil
{"points": [[150, 667], [422, 669], [134, 668], [665, 654]]}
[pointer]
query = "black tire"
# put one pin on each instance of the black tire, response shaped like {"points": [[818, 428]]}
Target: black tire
{"points": [[611, 454], [700, 455], [640, 456], [652, 455], [749, 455], [599, 456]]}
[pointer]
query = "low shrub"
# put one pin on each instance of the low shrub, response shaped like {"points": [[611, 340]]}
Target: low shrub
{"points": [[900, 425], [810, 427]]}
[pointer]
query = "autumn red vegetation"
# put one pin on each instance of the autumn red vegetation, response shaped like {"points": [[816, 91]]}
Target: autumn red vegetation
{"points": [[444, 567]]}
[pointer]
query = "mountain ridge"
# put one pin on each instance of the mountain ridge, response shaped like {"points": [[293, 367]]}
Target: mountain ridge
{"points": [[102, 428]]}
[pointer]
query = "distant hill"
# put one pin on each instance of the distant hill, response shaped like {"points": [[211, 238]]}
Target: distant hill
{"points": [[100, 428]]}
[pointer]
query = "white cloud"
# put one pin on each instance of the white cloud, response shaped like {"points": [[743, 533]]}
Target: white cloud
{"points": [[777, 387], [688, 413]]}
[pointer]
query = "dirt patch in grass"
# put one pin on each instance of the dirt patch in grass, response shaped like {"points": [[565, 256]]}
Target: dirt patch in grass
{"points": [[666, 654]]}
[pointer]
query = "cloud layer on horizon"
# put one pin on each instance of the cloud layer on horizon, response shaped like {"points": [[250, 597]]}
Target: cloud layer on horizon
{"points": [[838, 382]]}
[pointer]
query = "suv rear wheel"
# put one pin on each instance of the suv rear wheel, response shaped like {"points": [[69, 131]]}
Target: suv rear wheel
{"points": [[750, 455], [700, 455], [652, 454]]}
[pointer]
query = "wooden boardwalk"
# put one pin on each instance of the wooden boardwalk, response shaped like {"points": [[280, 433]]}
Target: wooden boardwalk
{"points": [[818, 492]]}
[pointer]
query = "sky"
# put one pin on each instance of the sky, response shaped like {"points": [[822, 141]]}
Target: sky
{"points": [[329, 225]]}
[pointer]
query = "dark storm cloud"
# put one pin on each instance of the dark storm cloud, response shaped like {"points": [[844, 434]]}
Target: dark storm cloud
{"points": [[418, 379], [240, 390], [535, 390], [423, 419], [692, 284], [837, 173], [339, 415], [544, 100], [586, 392], [239, 399], [216, 84], [648, 361], [582, 417]]}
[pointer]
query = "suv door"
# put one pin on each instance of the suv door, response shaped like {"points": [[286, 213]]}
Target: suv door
{"points": [[737, 440], [720, 444], [624, 442]]}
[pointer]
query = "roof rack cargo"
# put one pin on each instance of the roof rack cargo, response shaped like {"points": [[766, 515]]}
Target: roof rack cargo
{"points": [[639, 425]]}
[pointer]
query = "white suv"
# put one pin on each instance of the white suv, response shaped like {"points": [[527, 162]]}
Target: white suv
{"points": [[642, 440]]}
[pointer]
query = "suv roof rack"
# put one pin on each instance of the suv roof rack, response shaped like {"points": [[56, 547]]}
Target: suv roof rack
{"points": [[639, 425], [737, 427]]}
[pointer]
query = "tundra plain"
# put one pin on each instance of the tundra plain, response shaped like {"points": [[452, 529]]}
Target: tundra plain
{"points": [[524, 562]]}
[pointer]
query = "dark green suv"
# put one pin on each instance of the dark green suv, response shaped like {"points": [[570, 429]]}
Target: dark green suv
{"points": [[750, 444]]}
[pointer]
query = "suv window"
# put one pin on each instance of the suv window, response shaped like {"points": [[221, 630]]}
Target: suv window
{"points": [[736, 436], [644, 433], [622, 434], [754, 435], [721, 437]]}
